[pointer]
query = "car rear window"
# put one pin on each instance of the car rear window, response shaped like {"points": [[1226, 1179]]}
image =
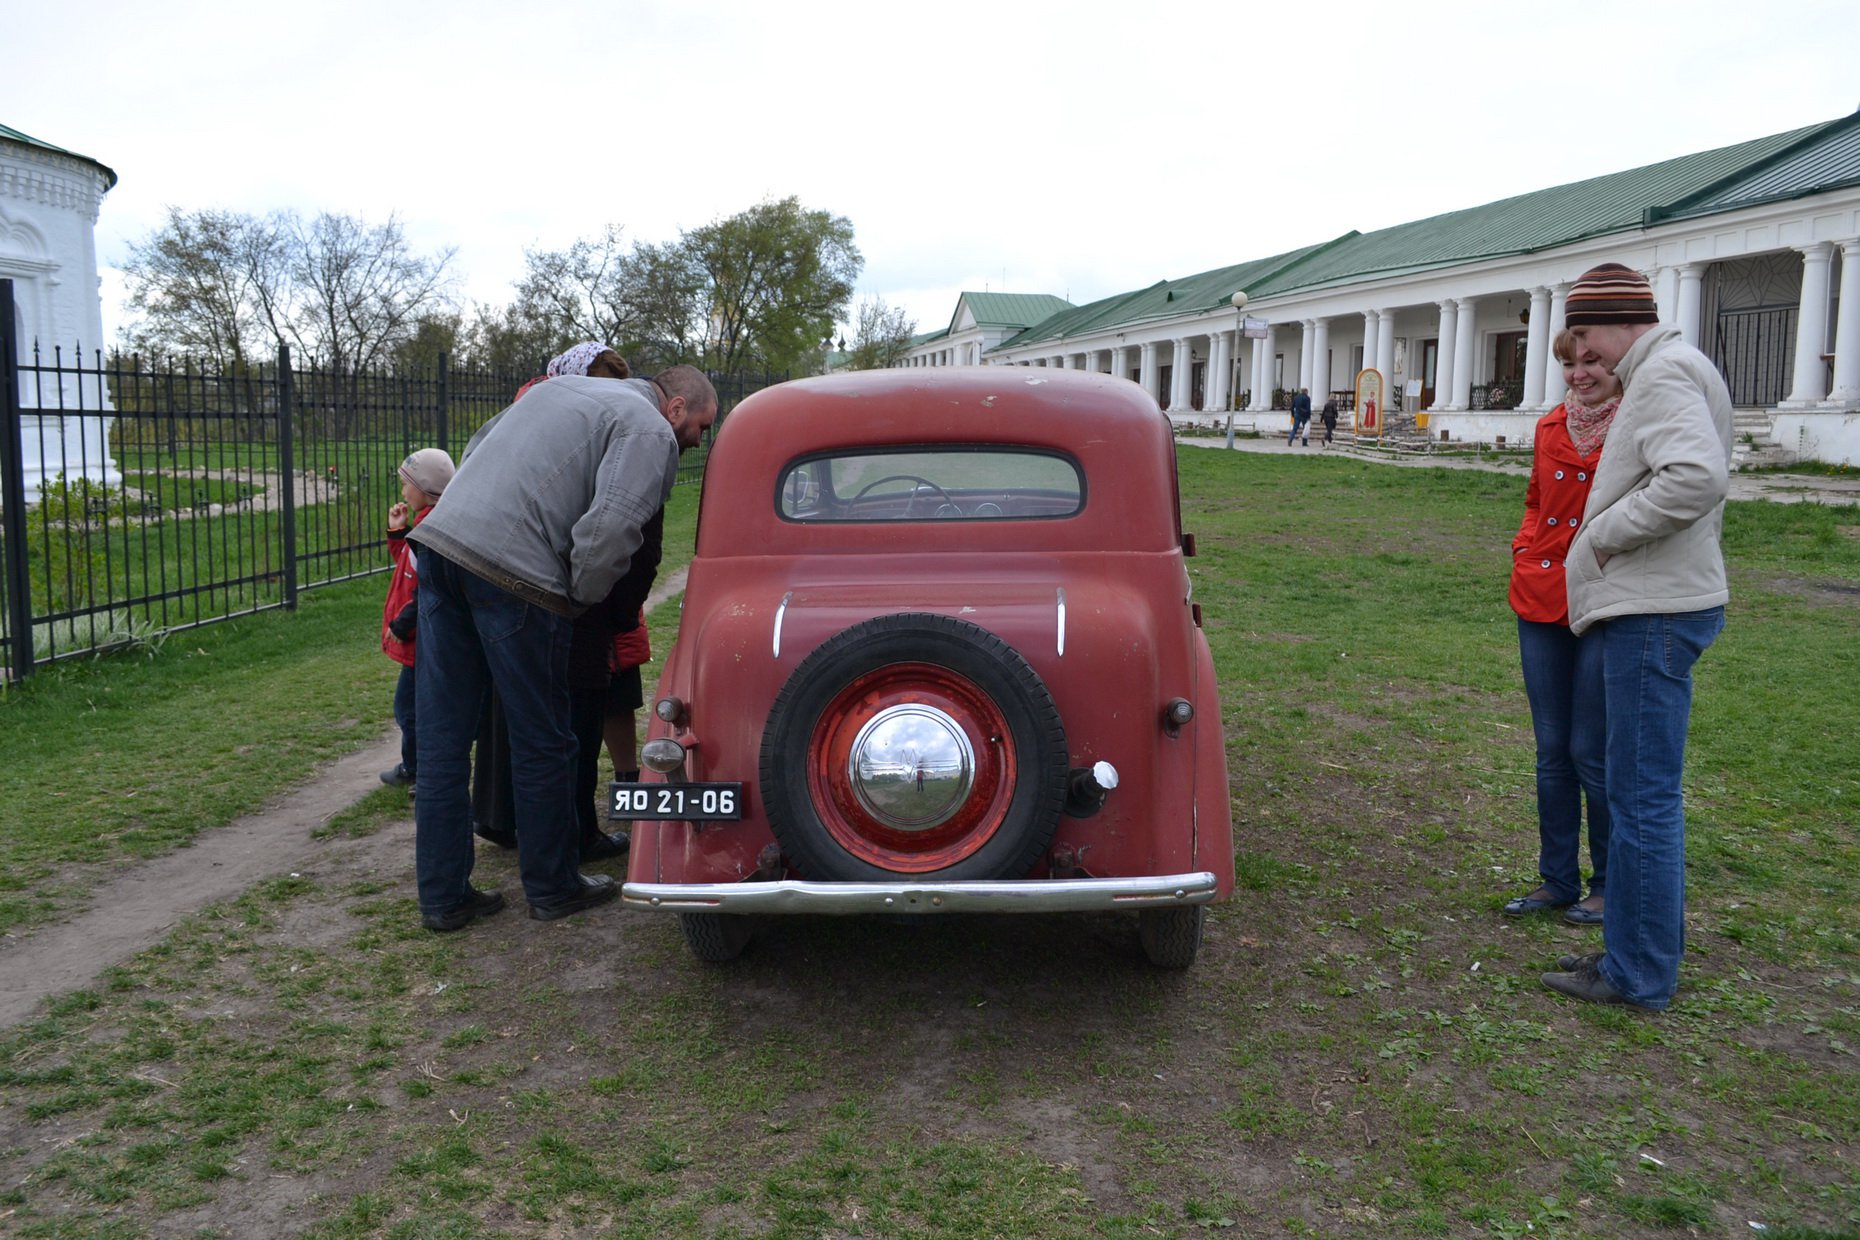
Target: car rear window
{"points": [[985, 483]]}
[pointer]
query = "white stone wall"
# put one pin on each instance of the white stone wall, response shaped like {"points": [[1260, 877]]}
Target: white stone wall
{"points": [[48, 217]]}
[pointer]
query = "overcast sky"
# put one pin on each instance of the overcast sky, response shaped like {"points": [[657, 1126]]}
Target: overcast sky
{"points": [[1080, 149]]}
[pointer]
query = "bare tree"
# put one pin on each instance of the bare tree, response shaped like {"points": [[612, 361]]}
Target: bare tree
{"points": [[882, 335], [360, 289], [643, 301], [203, 283], [229, 288]]}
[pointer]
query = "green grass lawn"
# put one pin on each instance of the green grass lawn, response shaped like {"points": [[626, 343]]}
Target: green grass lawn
{"points": [[1363, 1048]]}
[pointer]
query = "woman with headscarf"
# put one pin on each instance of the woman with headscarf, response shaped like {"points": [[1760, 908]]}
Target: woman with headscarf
{"points": [[1563, 672]]}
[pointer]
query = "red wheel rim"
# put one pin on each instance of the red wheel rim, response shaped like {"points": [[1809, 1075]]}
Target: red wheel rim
{"points": [[964, 706]]}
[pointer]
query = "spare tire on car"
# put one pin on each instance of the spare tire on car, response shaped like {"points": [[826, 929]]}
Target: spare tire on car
{"points": [[914, 745]]}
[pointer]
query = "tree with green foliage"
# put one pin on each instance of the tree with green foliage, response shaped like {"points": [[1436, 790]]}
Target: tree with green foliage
{"points": [[776, 279]]}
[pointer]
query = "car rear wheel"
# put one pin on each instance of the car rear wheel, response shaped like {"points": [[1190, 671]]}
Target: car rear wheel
{"points": [[1171, 936], [714, 937], [914, 745]]}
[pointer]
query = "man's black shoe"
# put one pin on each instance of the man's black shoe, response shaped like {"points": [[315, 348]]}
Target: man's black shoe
{"points": [[595, 890], [598, 845], [476, 904], [398, 777], [1570, 963]]}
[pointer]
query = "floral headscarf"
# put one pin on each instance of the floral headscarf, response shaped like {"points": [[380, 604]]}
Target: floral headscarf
{"points": [[1588, 424], [576, 361]]}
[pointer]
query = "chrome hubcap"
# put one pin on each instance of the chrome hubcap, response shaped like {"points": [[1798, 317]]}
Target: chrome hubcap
{"points": [[911, 767]]}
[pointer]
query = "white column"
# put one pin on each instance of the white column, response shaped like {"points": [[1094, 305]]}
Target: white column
{"points": [[1178, 375], [1066, 362], [1307, 329], [1811, 331], [1665, 281], [1443, 357], [1686, 316], [1553, 369], [1147, 363], [1120, 361], [1372, 345], [1385, 351], [1536, 348], [1847, 330], [1320, 360], [1465, 354], [1263, 351], [1217, 372]]}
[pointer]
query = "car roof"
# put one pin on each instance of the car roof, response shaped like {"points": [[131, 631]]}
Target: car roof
{"points": [[1122, 443], [1068, 410]]}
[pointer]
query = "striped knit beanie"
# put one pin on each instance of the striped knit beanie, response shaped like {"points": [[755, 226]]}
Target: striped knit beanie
{"points": [[1610, 293]]}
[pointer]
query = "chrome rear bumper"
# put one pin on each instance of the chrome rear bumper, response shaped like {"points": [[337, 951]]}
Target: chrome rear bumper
{"points": [[994, 896]]}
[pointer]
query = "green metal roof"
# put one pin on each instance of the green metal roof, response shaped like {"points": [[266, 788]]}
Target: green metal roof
{"points": [[1827, 159], [1810, 160], [927, 337], [1618, 202], [1009, 309], [13, 135], [1165, 299]]}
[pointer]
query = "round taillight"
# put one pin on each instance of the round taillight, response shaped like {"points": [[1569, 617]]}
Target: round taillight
{"points": [[663, 755]]}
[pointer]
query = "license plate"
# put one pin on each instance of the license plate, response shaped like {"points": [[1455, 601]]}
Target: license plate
{"points": [[678, 802]]}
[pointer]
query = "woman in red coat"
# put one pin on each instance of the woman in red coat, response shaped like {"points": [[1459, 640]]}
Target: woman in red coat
{"points": [[1563, 672]]}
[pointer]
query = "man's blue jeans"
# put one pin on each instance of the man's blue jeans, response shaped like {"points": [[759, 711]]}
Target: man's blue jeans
{"points": [[1647, 668], [473, 635], [1563, 679]]}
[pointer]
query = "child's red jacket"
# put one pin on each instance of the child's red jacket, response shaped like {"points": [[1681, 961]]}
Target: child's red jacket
{"points": [[403, 593]]}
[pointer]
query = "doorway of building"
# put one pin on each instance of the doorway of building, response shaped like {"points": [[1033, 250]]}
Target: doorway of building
{"points": [[1506, 390], [1430, 359]]}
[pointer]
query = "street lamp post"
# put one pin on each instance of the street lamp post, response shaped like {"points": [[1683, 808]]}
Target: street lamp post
{"points": [[1233, 379]]}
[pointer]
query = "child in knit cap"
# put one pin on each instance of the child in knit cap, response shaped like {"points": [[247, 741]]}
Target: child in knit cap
{"points": [[423, 477]]}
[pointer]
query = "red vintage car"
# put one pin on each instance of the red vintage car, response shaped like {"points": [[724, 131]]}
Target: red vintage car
{"points": [[937, 654]]}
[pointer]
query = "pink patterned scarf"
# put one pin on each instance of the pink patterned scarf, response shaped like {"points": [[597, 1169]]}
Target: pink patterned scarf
{"points": [[1588, 424]]}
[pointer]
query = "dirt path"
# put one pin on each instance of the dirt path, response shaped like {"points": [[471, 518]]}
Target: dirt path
{"points": [[133, 910]]}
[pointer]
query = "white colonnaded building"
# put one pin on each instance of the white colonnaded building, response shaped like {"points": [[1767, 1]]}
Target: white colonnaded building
{"points": [[1753, 251]]}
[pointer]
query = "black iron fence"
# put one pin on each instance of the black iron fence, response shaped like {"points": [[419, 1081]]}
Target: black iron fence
{"points": [[137, 500]]}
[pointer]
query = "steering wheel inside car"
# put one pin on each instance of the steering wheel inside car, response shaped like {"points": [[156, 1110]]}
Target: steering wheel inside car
{"points": [[922, 484]]}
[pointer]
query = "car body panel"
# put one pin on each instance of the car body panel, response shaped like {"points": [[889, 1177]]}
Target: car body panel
{"points": [[1096, 602]]}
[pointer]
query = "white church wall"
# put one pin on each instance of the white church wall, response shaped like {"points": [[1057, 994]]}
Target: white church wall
{"points": [[49, 203]]}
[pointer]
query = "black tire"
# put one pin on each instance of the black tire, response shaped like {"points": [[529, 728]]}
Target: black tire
{"points": [[715, 938], [1171, 936], [1014, 730]]}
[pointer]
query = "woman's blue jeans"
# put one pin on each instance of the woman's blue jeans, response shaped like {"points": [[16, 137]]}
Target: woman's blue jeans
{"points": [[1647, 668], [1563, 679], [404, 716]]}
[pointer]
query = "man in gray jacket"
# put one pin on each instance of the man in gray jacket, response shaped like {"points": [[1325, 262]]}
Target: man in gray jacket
{"points": [[545, 514], [1646, 571]]}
